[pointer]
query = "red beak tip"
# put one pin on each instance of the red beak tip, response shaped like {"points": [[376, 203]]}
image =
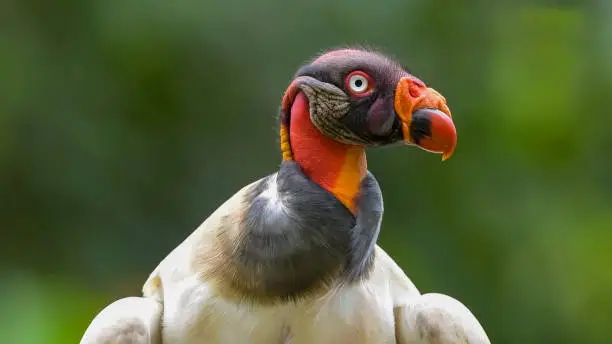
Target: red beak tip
{"points": [[447, 155], [444, 133]]}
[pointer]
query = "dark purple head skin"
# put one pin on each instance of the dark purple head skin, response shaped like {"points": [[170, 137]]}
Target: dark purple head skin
{"points": [[372, 117]]}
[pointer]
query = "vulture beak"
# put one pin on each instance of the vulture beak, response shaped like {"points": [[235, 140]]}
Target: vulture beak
{"points": [[426, 119]]}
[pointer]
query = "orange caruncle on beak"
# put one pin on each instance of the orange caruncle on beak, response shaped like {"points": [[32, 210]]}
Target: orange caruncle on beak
{"points": [[426, 119]]}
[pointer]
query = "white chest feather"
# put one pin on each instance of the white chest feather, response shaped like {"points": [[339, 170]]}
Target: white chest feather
{"points": [[353, 314]]}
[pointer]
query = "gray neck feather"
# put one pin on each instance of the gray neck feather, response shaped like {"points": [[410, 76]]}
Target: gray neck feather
{"points": [[297, 238]]}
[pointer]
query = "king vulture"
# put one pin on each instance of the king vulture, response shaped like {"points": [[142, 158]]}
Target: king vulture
{"points": [[292, 257]]}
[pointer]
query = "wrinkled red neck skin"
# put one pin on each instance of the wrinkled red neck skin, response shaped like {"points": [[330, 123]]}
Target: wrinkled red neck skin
{"points": [[337, 167]]}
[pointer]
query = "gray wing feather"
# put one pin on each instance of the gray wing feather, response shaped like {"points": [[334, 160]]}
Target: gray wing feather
{"points": [[437, 319], [131, 320]]}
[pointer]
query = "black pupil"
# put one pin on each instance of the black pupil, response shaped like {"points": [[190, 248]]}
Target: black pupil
{"points": [[358, 83]]}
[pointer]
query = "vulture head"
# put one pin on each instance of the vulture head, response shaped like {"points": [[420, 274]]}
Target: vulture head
{"points": [[349, 99]]}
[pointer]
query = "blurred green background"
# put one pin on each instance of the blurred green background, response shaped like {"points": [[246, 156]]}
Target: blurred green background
{"points": [[124, 124]]}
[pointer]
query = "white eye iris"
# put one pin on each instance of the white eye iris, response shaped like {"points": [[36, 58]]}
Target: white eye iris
{"points": [[358, 83]]}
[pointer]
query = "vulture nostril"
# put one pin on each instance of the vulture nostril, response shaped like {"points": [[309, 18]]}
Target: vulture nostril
{"points": [[414, 91], [416, 87]]}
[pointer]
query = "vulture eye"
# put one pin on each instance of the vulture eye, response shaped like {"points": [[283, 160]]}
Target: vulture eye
{"points": [[359, 83]]}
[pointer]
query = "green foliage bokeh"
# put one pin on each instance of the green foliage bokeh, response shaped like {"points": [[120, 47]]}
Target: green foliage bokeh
{"points": [[124, 124]]}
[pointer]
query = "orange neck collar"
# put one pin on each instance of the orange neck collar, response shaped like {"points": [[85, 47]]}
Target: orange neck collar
{"points": [[337, 167]]}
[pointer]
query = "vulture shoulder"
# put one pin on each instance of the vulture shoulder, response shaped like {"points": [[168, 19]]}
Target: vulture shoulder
{"points": [[184, 262], [131, 320], [430, 318], [437, 319]]}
